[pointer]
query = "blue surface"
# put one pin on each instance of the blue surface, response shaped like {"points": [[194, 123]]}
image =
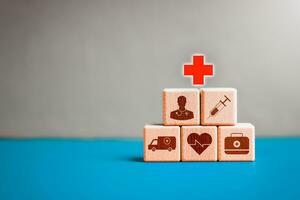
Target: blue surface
{"points": [[114, 169]]}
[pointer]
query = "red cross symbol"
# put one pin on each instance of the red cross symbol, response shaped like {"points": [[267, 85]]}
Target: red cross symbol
{"points": [[198, 70]]}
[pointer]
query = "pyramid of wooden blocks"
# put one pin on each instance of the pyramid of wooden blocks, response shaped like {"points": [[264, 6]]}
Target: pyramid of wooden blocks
{"points": [[199, 125]]}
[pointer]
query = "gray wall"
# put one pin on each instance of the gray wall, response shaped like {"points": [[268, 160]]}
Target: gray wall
{"points": [[97, 68]]}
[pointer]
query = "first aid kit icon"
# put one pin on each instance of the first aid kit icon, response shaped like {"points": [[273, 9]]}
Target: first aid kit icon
{"points": [[236, 143]]}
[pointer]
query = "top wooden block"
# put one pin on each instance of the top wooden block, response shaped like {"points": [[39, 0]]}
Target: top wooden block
{"points": [[181, 107], [218, 106]]}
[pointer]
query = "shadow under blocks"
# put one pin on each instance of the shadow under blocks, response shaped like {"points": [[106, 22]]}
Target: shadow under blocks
{"points": [[199, 125]]}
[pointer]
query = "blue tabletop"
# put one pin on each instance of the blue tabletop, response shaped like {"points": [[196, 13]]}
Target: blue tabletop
{"points": [[114, 169]]}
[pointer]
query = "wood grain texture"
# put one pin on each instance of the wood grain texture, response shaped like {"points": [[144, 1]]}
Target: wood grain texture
{"points": [[171, 105], [226, 101], [166, 137], [188, 153], [243, 134]]}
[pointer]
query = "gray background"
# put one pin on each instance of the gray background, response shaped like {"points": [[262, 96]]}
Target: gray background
{"points": [[98, 68]]}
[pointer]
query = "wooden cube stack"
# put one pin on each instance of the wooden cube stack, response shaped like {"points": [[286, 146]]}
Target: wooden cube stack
{"points": [[199, 125]]}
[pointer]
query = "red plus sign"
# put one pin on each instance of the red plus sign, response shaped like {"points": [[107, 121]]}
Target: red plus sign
{"points": [[198, 70]]}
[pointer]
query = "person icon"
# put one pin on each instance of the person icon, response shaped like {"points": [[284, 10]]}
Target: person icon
{"points": [[182, 113]]}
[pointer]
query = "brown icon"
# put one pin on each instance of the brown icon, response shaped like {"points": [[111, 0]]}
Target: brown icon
{"points": [[182, 113], [236, 143], [218, 107], [199, 142], [163, 143]]}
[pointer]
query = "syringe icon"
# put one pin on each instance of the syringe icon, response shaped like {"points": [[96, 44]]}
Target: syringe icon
{"points": [[218, 107]]}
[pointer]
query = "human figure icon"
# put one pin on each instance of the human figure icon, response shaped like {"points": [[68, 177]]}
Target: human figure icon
{"points": [[182, 113]]}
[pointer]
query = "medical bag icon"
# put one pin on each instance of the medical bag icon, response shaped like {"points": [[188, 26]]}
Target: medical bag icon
{"points": [[236, 143]]}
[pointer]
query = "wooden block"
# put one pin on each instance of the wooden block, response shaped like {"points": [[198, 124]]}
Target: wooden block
{"points": [[161, 143], [199, 143], [218, 106], [236, 143], [181, 107]]}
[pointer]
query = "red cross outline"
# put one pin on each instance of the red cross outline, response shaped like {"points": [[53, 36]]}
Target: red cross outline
{"points": [[198, 69]]}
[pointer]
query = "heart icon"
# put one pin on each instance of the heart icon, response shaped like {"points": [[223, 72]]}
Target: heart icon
{"points": [[199, 142]]}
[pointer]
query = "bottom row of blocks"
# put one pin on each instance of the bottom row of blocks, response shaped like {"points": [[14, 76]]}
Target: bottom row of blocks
{"points": [[199, 143]]}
